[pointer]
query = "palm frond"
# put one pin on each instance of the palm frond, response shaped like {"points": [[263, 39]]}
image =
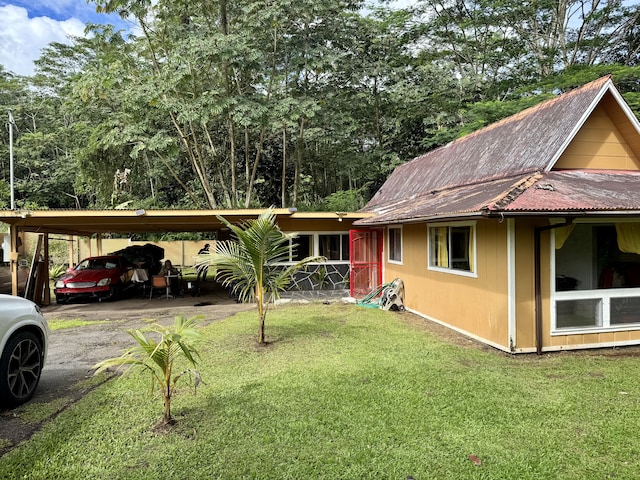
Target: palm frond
{"points": [[254, 264], [158, 357]]}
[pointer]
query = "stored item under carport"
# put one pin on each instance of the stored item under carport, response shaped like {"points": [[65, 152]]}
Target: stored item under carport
{"points": [[192, 288]]}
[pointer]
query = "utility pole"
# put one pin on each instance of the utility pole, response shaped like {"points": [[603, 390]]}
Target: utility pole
{"points": [[11, 124]]}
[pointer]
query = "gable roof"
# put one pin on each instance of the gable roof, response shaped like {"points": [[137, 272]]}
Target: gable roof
{"points": [[488, 170]]}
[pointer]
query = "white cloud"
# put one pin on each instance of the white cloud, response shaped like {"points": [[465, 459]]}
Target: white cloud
{"points": [[22, 38]]}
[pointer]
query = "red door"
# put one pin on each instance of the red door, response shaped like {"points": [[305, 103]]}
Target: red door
{"points": [[366, 261]]}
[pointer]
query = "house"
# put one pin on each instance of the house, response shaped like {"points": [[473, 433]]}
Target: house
{"points": [[525, 234]]}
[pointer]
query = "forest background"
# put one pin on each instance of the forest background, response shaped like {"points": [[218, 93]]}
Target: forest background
{"points": [[292, 103]]}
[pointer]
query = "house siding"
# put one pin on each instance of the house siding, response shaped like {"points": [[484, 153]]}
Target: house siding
{"points": [[599, 145], [314, 225], [477, 306], [525, 283]]}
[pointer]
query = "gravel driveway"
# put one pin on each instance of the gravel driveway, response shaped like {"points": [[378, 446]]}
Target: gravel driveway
{"points": [[72, 352]]}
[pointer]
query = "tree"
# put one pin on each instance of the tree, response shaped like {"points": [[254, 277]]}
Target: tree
{"points": [[226, 104], [251, 264], [159, 357]]}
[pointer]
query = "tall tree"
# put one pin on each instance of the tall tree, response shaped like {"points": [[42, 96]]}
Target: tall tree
{"points": [[291, 102]]}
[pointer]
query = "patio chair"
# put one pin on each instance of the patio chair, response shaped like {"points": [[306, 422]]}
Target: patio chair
{"points": [[159, 282]]}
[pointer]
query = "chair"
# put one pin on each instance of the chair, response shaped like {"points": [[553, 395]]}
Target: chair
{"points": [[140, 279], [159, 282]]}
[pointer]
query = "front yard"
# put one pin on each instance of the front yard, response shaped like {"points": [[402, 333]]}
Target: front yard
{"points": [[354, 393]]}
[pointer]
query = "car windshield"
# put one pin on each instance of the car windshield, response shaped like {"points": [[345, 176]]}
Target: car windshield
{"points": [[96, 264]]}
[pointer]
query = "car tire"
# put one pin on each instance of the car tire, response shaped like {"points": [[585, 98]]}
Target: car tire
{"points": [[20, 369], [115, 292], [61, 299]]}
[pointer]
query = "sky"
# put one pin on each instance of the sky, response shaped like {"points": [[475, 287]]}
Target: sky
{"points": [[27, 26]]}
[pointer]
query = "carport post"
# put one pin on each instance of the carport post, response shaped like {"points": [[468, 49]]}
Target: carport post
{"points": [[46, 299], [13, 259], [99, 243], [70, 250], [11, 176]]}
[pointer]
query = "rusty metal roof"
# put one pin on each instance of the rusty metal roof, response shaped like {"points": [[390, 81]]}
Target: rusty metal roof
{"points": [[580, 191], [559, 192], [451, 202], [494, 169]]}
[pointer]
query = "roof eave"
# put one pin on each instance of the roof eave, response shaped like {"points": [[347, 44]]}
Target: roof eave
{"points": [[422, 219], [500, 214], [563, 213]]}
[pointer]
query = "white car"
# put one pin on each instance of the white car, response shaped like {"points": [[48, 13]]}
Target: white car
{"points": [[24, 337]]}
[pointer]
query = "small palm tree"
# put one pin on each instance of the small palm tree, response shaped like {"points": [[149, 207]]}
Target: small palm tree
{"points": [[251, 264], [159, 357]]}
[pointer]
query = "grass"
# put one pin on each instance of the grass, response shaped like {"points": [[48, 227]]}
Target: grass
{"points": [[353, 393], [59, 323], [36, 412]]}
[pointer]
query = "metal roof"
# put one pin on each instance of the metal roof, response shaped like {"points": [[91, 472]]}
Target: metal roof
{"points": [[502, 168], [580, 191], [89, 222], [451, 202], [569, 191]]}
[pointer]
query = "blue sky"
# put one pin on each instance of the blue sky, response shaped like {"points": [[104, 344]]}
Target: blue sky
{"points": [[27, 26]]}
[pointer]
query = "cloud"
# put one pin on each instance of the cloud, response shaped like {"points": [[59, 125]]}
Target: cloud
{"points": [[22, 38], [56, 9]]}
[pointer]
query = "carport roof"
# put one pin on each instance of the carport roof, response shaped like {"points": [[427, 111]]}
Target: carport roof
{"points": [[89, 222]]}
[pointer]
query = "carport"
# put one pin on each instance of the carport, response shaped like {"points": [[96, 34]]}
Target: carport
{"points": [[96, 223]]}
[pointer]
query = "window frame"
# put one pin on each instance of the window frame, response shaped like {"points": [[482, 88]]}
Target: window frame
{"points": [[318, 241], [473, 237], [390, 251], [604, 296], [315, 246], [291, 242]]}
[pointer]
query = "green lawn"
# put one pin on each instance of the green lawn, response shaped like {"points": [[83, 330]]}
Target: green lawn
{"points": [[351, 393]]}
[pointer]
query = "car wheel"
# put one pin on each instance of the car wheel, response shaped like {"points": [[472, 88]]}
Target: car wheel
{"points": [[115, 292], [61, 299], [20, 369]]}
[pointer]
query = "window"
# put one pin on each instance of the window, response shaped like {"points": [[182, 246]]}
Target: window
{"points": [[395, 244], [597, 277], [334, 246], [452, 248], [301, 247]]}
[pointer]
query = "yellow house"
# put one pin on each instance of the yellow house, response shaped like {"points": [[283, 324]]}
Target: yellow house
{"points": [[525, 234]]}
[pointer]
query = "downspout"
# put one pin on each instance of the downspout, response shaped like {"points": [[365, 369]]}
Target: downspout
{"points": [[537, 231]]}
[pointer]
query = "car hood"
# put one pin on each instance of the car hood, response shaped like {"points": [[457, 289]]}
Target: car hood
{"points": [[91, 275]]}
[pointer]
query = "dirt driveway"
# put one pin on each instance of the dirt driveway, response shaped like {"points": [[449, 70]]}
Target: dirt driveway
{"points": [[72, 352]]}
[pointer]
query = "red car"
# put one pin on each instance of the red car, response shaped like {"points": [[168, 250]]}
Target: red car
{"points": [[95, 277]]}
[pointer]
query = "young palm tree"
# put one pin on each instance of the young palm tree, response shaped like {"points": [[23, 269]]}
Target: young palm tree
{"points": [[159, 357], [251, 264]]}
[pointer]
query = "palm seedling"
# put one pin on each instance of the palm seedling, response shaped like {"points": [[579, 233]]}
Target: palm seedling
{"points": [[159, 349]]}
